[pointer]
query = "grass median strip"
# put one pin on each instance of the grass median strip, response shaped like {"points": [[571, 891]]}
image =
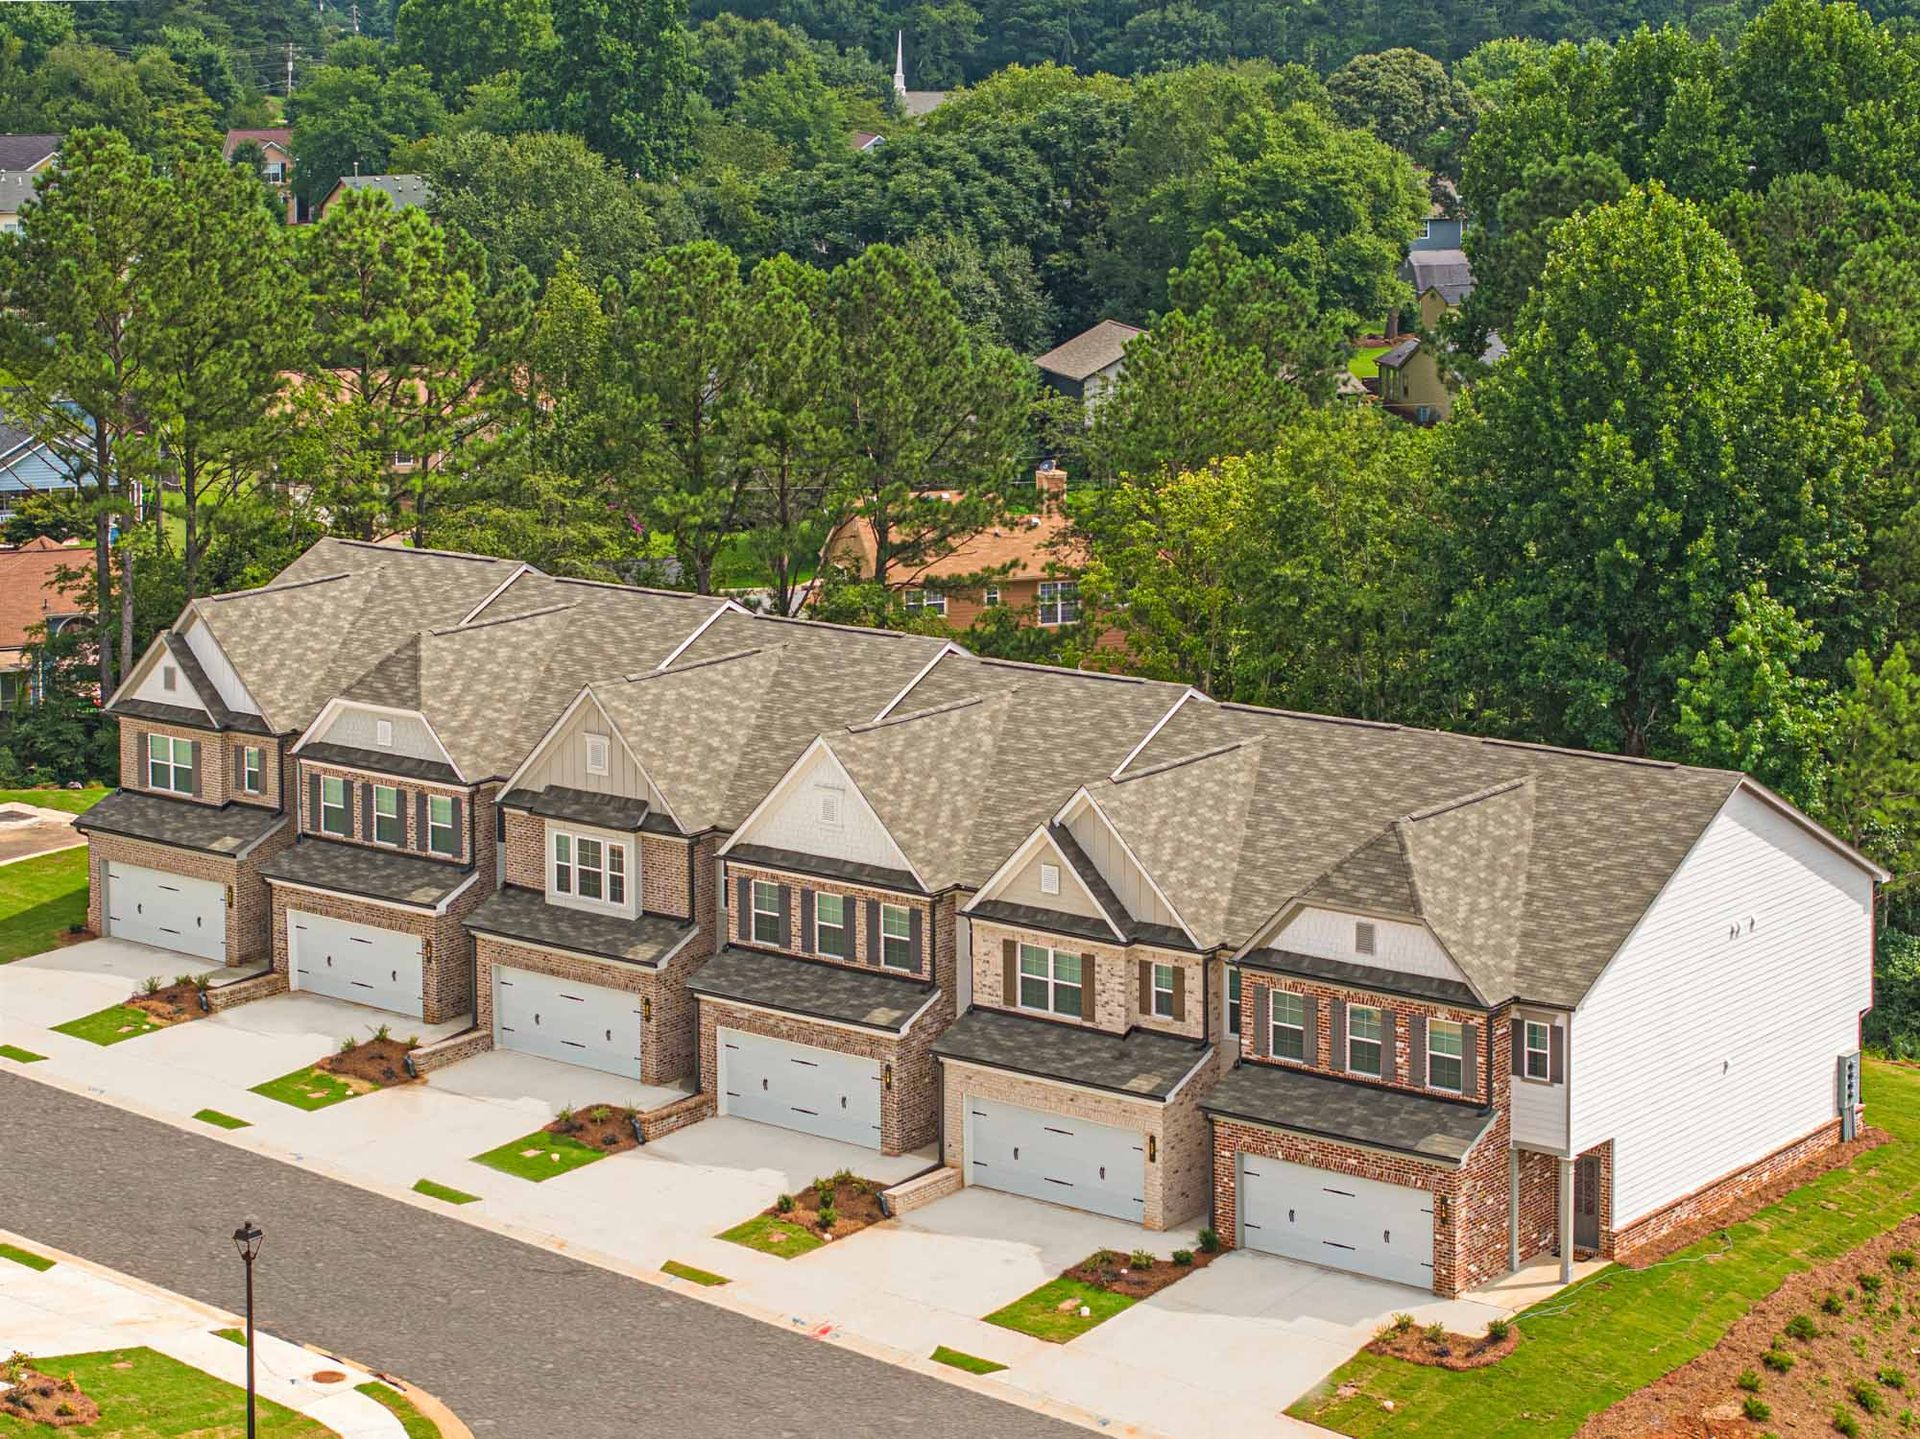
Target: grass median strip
{"points": [[232, 1336], [110, 1026], [19, 1055], [539, 1156], [308, 1088], [692, 1275], [26, 1257], [444, 1191], [1052, 1312], [771, 1234], [972, 1363], [219, 1120], [416, 1424]]}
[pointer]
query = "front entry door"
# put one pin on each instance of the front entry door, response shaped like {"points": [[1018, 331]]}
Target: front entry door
{"points": [[1586, 1202]]}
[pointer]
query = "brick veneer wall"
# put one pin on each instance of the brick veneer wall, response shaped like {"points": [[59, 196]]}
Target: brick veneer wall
{"points": [[249, 916], [526, 850], [908, 1109], [1116, 979], [921, 1190], [477, 814], [219, 763], [447, 985], [663, 864], [1179, 1173], [1724, 1191], [1539, 1203], [936, 919]]}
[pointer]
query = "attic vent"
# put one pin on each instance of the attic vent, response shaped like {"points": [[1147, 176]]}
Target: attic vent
{"points": [[166, 677], [1363, 936], [1049, 879], [383, 733], [596, 754]]}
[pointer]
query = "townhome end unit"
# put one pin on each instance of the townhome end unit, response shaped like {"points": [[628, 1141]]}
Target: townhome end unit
{"points": [[1414, 1005]]}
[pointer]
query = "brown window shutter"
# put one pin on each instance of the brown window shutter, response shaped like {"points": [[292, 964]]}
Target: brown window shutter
{"points": [[1518, 1048], [1417, 1046], [1389, 1046], [1469, 1059], [313, 803], [459, 829], [873, 931], [1086, 986], [346, 794], [420, 827], [1262, 1025], [199, 782], [1337, 1032], [366, 810], [1009, 973], [786, 915], [1180, 992], [917, 937], [743, 911], [1146, 988], [806, 922], [1556, 1054], [1310, 1018]]}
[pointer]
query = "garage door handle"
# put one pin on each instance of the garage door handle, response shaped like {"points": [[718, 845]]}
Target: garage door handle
{"points": [[763, 1085], [843, 1101], [1103, 1171], [1016, 1154]]}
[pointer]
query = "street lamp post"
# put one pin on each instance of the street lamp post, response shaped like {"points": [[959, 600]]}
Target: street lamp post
{"points": [[247, 1240]]}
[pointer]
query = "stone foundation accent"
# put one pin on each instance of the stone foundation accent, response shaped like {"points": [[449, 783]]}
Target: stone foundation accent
{"points": [[678, 1114], [921, 1190], [244, 991], [1727, 1190], [451, 1050]]}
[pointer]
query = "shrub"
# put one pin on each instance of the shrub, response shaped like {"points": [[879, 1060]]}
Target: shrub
{"points": [[1778, 1360], [349, 1044], [1183, 1257], [63, 1409], [1872, 1282], [1402, 1323], [784, 1204], [1749, 1381], [1140, 1259], [1105, 1259], [1756, 1408], [1891, 1377], [202, 982], [1902, 1260], [564, 1116], [183, 979], [1436, 1333], [1801, 1326], [829, 1216], [1866, 1396], [1846, 1424], [599, 1114], [1831, 1304], [1498, 1330], [150, 985], [1209, 1241], [383, 1031]]}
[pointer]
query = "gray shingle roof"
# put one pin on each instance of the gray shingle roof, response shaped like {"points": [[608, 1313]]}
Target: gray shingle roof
{"points": [[864, 997], [381, 762], [23, 152], [603, 811], [1089, 352], [213, 829], [524, 914], [1394, 358], [1363, 976], [369, 873], [1381, 1118], [406, 191], [1444, 270], [1140, 1062]]}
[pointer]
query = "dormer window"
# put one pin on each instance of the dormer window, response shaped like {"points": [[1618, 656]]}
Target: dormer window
{"points": [[383, 733], [596, 754], [1365, 941], [1049, 879]]}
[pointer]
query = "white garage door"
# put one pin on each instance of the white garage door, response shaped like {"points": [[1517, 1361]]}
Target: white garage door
{"points": [[151, 906], [380, 967], [836, 1096], [584, 1024], [1385, 1230], [1064, 1161]]}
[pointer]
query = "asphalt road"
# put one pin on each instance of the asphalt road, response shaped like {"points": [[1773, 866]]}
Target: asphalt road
{"points": [[520, 1342]]}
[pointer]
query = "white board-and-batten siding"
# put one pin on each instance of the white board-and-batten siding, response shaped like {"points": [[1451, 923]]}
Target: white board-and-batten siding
{"points": [[226, 679], [562, 760], [1711, 1038], [1117, 868]]}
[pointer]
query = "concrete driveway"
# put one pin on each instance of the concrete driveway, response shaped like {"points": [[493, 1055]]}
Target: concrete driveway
{"points": [[28, 830]]}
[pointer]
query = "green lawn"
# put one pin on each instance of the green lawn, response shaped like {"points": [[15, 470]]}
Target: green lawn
{"points": [[111, 1026], [307, 1088], [443, 1191], [232, 1336], [219, 1120], [417, 1425], [40, 899], [19, 1055], [1622, 1329], [1365, 364], [972, 1363], [73, 801], [771, 1234], [154, 1397], [694, 1276], [1039, 1313], [26, 1257], [539, 1156]]}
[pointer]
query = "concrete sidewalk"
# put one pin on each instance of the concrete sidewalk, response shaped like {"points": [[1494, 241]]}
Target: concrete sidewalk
{"points": [[77, 1307]]}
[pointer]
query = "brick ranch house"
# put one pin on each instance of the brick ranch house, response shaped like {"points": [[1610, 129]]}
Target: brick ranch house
{"points": [[1416, 1005]]}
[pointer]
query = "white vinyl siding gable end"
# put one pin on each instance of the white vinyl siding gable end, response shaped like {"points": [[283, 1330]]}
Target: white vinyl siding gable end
{"points": [[407, 734], [1400, 946], [791, 820], [1698, 1052]]}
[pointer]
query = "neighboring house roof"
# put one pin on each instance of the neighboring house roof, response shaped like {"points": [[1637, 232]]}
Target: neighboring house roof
{"points": [[16, 188], [359, 869], [1446, 271], [279, 136], [29, 595], [1089, 352], [406, 191], [921, 102], [1394, 358], [23, 152], [861, 997], [867, 139], [1025, 547]]}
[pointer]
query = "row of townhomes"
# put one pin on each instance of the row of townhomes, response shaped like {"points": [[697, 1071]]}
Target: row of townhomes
{"points": [[1417, 1005]]}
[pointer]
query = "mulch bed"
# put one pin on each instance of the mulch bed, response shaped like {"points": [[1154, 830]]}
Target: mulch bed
{"points": [[41, 1399], [607, 1127], [1872, 1333], [856, 1204], [378, 1062], [1117, 1273], [1450, 1351], [173, 1004], [1751, 1203]]}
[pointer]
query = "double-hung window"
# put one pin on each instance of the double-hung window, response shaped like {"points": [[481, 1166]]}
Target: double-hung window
{"points": [[1059, 602], [1363, 1040], [1539, 1054], [253, 761], [170, 763], [1232, 978], [932, 601], [1163, 991], [1050, 980], [830, 934], [1445, 1065], [388, 826], [333, 805], [590, 869], [896, 937], [767, 928], [1289, 1026], [440, 836]]}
